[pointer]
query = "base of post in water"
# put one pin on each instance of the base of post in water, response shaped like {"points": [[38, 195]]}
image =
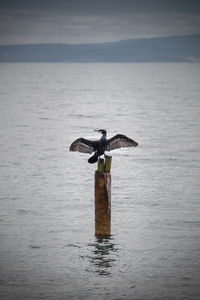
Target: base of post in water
{"points": [[103, 198]]}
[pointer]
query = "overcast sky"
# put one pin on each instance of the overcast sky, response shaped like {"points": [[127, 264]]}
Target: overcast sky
{"points": [[83, 21]]}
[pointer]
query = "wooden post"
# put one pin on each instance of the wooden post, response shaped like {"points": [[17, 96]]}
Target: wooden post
{"points": [[103, 198], [101, 166], [108, 161]]}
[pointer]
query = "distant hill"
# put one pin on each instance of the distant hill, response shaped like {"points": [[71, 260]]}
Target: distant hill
{"points": [[166, 49]]}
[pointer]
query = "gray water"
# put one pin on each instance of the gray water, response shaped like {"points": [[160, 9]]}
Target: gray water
{"points": [[48, 249]]}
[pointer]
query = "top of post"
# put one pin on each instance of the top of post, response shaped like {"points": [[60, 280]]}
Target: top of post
{"points": [[104, 166]]}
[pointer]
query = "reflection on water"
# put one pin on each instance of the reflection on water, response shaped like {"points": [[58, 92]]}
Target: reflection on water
{"points": [[103, 255]]}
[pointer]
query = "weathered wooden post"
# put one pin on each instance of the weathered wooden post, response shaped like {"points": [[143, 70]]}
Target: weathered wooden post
{"points": [[103, 198]]}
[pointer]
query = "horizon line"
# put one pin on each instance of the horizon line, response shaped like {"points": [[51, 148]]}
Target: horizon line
{"points": [[99, 43]]}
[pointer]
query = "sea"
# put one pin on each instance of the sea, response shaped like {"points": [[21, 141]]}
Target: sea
{"points": [[48, 248]]}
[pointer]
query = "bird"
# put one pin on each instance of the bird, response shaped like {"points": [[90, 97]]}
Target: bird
{"points": [[99, 147]]}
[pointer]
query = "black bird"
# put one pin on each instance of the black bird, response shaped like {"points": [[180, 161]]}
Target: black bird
{"points": [[102, 145]]}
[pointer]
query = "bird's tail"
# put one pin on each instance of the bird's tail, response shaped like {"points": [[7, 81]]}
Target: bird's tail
{"points": [[93, 159]]}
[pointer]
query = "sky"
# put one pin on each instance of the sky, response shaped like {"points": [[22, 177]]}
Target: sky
{"points": [[95, 21]]}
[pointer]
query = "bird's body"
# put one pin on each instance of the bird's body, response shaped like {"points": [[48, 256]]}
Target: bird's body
{"points": [[99, 147]]}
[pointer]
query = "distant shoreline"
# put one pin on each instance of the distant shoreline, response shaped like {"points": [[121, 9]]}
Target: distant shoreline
{"points": [[152, 50]]}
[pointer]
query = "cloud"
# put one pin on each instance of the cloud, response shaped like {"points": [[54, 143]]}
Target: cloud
{"points": [[96, 7], [95, 21]]}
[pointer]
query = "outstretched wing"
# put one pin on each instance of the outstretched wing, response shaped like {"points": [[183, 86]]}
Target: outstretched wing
{"points": [[83, 145], [119, 141]]}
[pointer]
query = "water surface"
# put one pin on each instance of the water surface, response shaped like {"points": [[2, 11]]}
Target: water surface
{"points": [[48, 249]]}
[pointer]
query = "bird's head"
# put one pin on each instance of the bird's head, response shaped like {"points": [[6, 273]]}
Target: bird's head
{"points": [[102, 131]]}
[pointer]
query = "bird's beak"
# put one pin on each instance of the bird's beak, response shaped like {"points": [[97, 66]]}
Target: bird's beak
{"points": [[98, 131]]}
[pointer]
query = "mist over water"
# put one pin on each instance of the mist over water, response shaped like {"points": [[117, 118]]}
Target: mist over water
{"points": [[48, 249]]}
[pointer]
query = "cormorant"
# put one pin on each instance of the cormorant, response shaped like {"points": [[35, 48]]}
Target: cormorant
{"points": [[102, 145]]}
